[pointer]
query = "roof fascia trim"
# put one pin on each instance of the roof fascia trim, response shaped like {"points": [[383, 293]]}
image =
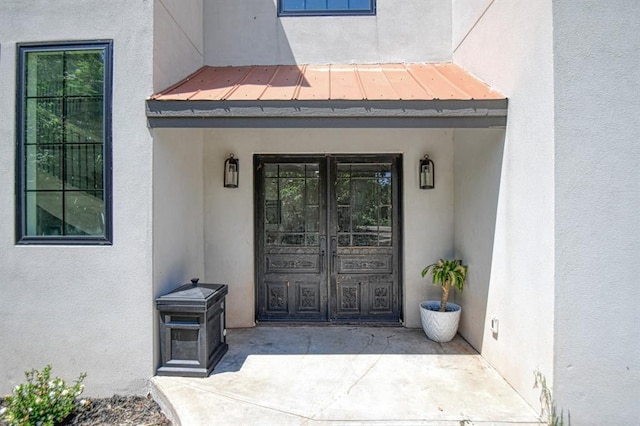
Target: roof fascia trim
{"points": [[428, 113], [331, 122]]}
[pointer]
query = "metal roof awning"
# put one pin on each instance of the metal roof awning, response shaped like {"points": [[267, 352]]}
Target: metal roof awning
{"points": [[387, 95]]}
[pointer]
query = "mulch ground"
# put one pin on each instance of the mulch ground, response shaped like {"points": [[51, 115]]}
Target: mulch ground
{"points": [[118, 410]]}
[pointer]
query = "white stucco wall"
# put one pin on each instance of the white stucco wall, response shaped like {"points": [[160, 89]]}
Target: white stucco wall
{"points": [[597, 135], [178, 233], [465, 16], [73, 306], [509, 45], [178, 46], [477, 171], [229, 217], [249, 32]]}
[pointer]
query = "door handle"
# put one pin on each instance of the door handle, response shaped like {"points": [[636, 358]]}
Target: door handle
{"points": [[334, 252], [323, 243]]}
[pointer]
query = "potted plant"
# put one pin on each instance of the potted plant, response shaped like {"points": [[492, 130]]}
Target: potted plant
{"points": [[440, 319]]}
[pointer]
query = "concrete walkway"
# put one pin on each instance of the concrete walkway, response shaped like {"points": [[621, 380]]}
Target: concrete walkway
{"points": [[343, 376]]}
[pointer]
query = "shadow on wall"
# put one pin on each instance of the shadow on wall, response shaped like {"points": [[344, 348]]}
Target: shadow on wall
{"points": [[262, 40], [171, 280], [478, 155]]}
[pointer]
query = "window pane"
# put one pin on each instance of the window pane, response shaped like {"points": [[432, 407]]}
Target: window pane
{"points": [[272, 213], [338, 4], [385, 190], [292, 170], [364, 239], [312, 191], [84, 74], [344, 171], [293, 5], [44, 167], [360, 4], [271, 189], [44, 121], [313, 170], [385, 237], [83, 120], [272, 238], [343, 240], [313, 219], [316, 5], [43, 213], [84, 166], [312, 240], [343, 195], [271, 170], [293, 240], [385, 216], [292, 208], [344, 219], [84, 213], [44, 74], [365, 209]]}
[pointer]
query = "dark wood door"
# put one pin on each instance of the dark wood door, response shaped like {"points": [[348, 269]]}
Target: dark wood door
{"points": [[327, 238], [364, 238]]}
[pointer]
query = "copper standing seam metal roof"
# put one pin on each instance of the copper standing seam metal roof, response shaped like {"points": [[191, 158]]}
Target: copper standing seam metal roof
{"points": [[388, 82]]}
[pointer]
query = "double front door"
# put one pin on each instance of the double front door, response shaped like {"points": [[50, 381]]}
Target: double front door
{"points": [[328, 238]]}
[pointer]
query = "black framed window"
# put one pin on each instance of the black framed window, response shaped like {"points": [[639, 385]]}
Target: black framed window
{"points": [[326, 7], [63, 157]]}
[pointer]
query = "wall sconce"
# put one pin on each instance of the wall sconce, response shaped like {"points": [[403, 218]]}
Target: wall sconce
{"points": [[231, 168], [427, 173]]}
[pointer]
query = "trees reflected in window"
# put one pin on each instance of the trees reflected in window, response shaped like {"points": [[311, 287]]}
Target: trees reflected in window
{"points": [[292, 204], [64, 142]]}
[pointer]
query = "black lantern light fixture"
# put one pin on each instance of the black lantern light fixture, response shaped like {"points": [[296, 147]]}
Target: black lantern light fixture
{"points": [[427, 173], [231, 169]]}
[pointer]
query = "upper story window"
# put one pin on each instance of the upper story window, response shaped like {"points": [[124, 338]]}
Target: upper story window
{"points": [[326, 7], [63, 182]]}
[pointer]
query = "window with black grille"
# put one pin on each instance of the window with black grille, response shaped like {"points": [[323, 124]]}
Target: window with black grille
{"points": [[64, 143]]}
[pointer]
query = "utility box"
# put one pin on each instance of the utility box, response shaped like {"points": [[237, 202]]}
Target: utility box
{"points": [[192, 329]]}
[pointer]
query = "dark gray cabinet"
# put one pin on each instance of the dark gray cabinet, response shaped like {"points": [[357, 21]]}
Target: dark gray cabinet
{"points": [[192, 329]]}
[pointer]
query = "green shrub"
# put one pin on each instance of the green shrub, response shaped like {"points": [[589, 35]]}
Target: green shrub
{"points": [[41, 400]]}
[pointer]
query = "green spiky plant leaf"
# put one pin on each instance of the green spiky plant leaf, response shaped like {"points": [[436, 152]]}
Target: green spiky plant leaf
{"points": [[447, 273]]}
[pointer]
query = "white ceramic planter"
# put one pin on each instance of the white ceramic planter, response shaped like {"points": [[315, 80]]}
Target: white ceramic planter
{"points": [[439, 326]]}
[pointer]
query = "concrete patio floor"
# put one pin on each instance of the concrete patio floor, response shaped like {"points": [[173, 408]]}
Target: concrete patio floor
{"points": [[276, 375]]}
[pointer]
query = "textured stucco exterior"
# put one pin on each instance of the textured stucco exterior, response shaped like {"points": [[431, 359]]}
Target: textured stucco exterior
{"points": [[76, 306], [178, 237], [178, 40], [477, 179], [521, 283], [249, 32], [567, 201], [597, 200]]}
